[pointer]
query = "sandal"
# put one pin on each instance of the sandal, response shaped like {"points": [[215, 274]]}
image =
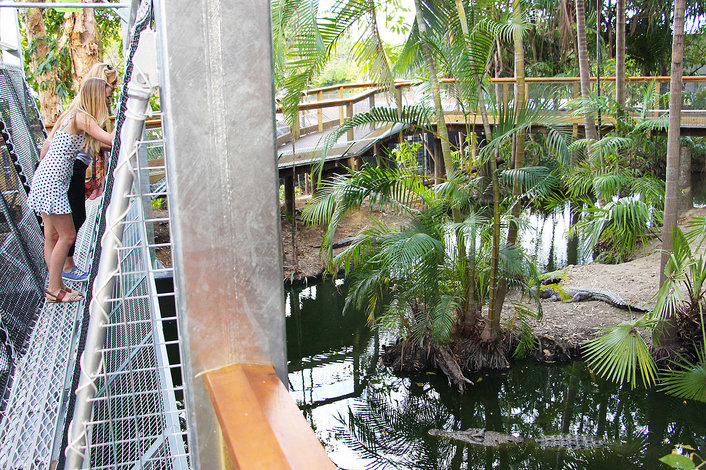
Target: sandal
{"points": [[62, 297], [73, 291]]}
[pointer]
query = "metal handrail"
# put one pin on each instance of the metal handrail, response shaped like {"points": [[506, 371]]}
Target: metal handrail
{"points": [[139, 91]]}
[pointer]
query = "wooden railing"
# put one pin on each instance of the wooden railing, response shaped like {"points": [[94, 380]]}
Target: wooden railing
{"points": [[561, 88], [260, 423]]}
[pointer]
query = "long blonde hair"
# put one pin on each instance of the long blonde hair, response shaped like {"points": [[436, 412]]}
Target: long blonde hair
{"points": [[107, 72], [91, 101]]}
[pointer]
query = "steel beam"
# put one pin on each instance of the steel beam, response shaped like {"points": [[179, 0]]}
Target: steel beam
{"points": [[219, 128]]}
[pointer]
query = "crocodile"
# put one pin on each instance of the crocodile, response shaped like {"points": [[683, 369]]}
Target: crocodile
{"points": [[577, 294], [485, 438]]}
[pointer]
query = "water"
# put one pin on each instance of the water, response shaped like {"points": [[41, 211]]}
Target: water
{"points": [[368, 418], [546, 239]]}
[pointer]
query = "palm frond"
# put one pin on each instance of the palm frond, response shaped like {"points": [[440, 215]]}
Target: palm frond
{"points": [[413, 116], [621, 353], [650, 189], [527, 338], [535, 182], [688, 380], [510, 121], [443, 319]]}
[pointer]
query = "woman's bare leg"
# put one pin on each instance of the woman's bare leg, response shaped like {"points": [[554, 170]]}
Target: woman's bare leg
{"points": [[61, 235]]}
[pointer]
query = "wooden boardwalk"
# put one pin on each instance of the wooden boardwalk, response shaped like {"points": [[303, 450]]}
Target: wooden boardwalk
{"points": [[323, 109]]}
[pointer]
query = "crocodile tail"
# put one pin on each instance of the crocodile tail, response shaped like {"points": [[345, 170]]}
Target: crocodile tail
{"points": [[570, 441]]}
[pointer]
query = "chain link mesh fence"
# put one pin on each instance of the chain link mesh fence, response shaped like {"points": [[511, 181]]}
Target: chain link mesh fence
{"points": [[21, 242]]}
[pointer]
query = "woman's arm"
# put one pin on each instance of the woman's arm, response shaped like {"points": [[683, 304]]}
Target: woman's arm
{"points": [[45, 148], [89, 126]]}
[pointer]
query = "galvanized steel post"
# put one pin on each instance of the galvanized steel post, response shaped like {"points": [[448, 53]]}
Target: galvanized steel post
{"points": [[219, 129]]}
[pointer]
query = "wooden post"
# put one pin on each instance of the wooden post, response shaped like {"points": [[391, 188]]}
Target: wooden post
{"points": [[576, 94], [349, 113], [320, 112], [506, 94], [341, 111]]}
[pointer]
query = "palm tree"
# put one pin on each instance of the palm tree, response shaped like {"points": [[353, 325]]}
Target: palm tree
{"points": [[435, 90], [519, 147], [671, 202], [620, 85], [584, 69], [429, 274]]}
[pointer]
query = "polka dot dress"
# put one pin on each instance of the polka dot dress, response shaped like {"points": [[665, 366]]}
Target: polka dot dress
{"points": [[50, 183]]}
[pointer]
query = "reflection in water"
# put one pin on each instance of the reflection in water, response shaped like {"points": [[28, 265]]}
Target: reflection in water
{"points": [[546, 239], [369, 418]]}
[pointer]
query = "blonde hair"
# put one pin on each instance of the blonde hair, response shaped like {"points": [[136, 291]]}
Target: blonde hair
{"points": [[90, 100], [102, 70], [106, 72]]}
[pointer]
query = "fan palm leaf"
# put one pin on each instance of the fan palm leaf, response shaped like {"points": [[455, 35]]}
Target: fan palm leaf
{"points": [[621, 353], [688, 380]]}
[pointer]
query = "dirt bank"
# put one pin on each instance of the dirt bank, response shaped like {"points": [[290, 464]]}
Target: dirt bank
{"points": [[309, 264]]}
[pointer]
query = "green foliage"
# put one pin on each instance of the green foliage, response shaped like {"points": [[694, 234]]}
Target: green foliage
{"points": [[305, 42], [415, 277], [527, 339], [688, 380], [622, 352], [622, 223], [405, 155], [109, 34], [683, 457], [622, 197], [157, 203]]}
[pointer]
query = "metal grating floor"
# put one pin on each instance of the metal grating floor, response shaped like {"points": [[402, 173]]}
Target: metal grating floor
{"points": [[29, 428]]}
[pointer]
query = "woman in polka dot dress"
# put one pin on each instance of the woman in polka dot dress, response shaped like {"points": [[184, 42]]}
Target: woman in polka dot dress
{"points": [[79, 127]]}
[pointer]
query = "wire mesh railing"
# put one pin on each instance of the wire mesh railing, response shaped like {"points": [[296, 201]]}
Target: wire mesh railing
{"points": [[21, 243]]}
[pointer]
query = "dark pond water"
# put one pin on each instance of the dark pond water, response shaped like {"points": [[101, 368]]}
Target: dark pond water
{"points": [[368, 418]]}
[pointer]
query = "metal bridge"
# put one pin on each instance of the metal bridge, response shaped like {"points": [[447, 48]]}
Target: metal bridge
{"points": [[161, 367]]}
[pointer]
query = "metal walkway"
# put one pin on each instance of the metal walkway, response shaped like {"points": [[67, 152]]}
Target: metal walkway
{"points": [[128, 410]]}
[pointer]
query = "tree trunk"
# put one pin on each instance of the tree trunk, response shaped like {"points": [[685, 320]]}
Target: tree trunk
{"points": [[82, 41], [673, 148], [686, 198], [584, 70], [47, 81], [620, 85], [435, 91], [519, 147]]}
